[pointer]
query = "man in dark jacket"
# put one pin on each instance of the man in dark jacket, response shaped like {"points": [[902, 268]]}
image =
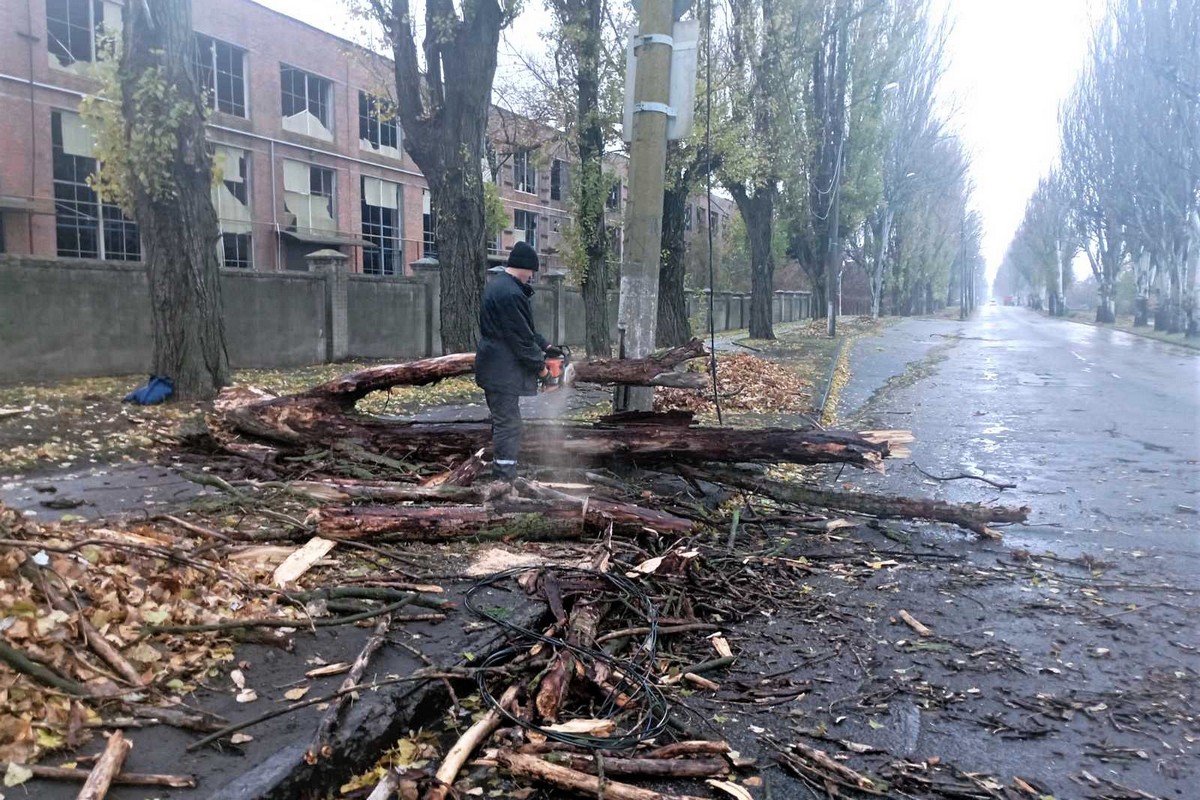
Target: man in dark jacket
{"points": [[511, 355]]}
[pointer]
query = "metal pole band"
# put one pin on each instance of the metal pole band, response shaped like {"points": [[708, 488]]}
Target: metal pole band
{"points": [[657, 38], [658, 108]]}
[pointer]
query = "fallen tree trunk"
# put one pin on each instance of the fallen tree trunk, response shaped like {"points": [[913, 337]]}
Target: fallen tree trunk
{"points": [[653, 370], [516, 518], [346, 390], [304, 426], [972, 516]]}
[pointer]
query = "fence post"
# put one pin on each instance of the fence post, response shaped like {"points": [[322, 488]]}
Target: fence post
{"points": [[332, 266], [429, 272]]}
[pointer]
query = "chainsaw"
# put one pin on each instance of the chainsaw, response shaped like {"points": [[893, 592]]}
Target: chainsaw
{"points": [[559, 370]]}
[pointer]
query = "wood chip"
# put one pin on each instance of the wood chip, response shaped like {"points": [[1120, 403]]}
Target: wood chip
{"points": [[302, 560], [721, 645], [731, 789], [588, 727]]}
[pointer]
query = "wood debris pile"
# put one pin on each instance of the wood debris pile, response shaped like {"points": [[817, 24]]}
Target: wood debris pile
{"points": [[110, 623]]}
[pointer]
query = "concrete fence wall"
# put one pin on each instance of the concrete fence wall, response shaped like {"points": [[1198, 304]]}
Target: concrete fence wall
{"points": [[79, 318]]}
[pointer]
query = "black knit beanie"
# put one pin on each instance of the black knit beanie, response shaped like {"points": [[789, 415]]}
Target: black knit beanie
{"points": [[523, 257]]}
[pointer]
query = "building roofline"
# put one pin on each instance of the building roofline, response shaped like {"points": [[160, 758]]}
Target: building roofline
{"points": [[322, 31]]}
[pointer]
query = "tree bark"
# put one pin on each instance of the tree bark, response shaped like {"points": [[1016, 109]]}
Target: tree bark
{"points": [[301, 427], [583, 20], [534, 768], [581, 631], [651, 370], [972, 516], [674, 327], [107, 767], [443, 107], [507, 519], [758, 212], [178, 227]]}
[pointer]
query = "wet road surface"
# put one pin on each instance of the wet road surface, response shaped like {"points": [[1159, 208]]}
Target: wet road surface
{"points": [[1099, 429]]}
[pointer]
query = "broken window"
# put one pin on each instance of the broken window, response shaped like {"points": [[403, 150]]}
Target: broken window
{"points": [[613, 201], [231, 199], [221, 73], [428, 227], [85, 227], [308, 197], [524, 172], [71, 29], [557, 173], [525, 226], [380, 226], [307, 103], [377, 128]]}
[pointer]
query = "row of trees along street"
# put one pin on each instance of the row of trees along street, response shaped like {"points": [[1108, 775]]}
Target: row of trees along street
{"points": [[1125, 193], [826, 131]]}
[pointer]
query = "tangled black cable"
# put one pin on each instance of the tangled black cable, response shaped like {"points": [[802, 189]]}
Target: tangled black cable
{"points": [[632, 679]]}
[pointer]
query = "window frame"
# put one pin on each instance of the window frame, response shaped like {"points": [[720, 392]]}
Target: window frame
{"points": [[371, 107], [429, 247], [529, 215], [557, 168], [612, 201], [529, 169], [375, 227], [324, 99], [114, 237], [88, 32], [212, 70]]}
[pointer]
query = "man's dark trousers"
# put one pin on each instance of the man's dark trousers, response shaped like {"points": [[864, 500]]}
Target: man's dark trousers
{"points": [[506, 432]]}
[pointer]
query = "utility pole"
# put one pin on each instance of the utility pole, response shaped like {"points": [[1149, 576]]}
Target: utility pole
{"points": [[637, 309], [833, 281]]}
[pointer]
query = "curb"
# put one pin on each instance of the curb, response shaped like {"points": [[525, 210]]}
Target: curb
{"points": [[833, 367]]}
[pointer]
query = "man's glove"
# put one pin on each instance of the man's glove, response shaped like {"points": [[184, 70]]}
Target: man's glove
{"points": [[553, 351]]}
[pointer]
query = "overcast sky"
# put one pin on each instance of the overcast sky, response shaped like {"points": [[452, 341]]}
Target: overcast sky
{"points": [[1011, 63]]}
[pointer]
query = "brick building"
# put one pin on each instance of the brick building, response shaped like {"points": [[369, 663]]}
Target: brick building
{"points": [[310, 157]]}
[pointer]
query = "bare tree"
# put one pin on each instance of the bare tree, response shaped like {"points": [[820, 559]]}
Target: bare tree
{"points": [[443, 105]]}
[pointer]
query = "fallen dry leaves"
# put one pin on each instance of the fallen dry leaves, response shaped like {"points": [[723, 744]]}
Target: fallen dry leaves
{"points": [[745, 383], [122, 578]]}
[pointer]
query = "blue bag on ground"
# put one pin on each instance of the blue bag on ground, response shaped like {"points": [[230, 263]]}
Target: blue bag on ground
{"points": [[153, 393]]}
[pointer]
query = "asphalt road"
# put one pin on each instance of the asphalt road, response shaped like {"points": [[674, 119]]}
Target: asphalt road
{"points": [[1098, 429]]}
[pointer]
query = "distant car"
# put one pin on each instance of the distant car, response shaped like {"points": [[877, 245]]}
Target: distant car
{"points": [[992, 302]]}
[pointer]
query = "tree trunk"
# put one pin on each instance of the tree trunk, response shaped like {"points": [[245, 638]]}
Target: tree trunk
{"points": [[1106, 311], [583, 18], [673, 327], [443, 107], [178, 226], [758, 214]]}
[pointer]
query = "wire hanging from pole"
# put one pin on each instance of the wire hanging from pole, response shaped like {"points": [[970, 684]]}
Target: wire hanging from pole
{"points": [[712, 280]]}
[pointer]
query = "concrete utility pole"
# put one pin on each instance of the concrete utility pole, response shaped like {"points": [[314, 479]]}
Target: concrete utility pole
{"points": [[637, 310]]}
